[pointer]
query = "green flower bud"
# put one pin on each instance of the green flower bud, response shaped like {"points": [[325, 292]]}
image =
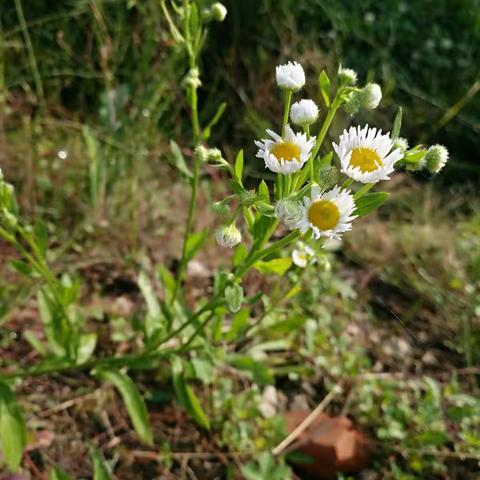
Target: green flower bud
{"points": [[353, 102], [436, 158], [219, 12], [202, 154]]}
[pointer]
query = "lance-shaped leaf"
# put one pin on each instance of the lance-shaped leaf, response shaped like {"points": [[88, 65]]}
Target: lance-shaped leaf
{"points": [[133, 401], [13, 433], [369, 202], [178, 160]]}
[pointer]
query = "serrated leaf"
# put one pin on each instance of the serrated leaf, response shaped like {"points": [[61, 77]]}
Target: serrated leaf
{"points": [[397, 123], [100, 470], [277, 266], [324, 83], [239, 166], [369, 202], [13, 432], [132, 399], [178, 160], [234, 297]]}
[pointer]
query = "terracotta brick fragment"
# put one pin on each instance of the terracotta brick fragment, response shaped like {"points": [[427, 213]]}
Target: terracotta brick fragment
{"points": [[333, 443]]}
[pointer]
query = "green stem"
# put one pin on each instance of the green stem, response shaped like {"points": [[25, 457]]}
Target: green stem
{"points": [[286, 110], [263, 253], [363, 191], [326, 125]]}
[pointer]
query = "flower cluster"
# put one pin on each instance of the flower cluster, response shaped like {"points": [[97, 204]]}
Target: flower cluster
{"points": [[365, 156]]}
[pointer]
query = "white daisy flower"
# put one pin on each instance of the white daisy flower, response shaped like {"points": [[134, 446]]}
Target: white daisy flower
{"points": [[290, 76], [286, 155], [365, 154], [303, 255], [304, 112], [327, 214]]}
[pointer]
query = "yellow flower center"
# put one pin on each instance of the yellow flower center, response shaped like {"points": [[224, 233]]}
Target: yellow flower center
{"points": [[287, 151], [366, 159], [323, 214]]}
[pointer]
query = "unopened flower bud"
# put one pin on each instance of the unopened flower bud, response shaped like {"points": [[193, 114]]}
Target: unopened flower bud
{"points": [[400, 143], [202, 154], [347, 76], [192, 78], [304, 112], [228, 236], [219, 11], [372, 94], [290, 76], [288, 212], [436, 158]]}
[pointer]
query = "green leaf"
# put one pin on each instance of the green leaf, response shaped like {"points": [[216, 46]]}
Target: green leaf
{"points": [[186, 396], [178, 160], [324, 83], [23, 268], [35, 342], [206, 132], [277, 266], [13, 432], [195, 242], [52, 322], [194, 19], [261, 226], [369, 202], [100, 470], [86, 346], [167, 280], [239, 323], [397, 124], [153, 320], [58, 474], [240, 253], [133, 401], [263, 191], [260, 373], [41, 237], [239, 166], [234, 297]]}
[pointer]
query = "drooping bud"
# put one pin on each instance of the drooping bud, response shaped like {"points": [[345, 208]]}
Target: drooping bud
{"points": [[372, 94], [228, 235], [219, 11], [400, 143], [436, 158]]}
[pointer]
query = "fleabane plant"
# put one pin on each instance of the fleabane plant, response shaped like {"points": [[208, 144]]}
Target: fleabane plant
{"points": [[303, 198]]}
